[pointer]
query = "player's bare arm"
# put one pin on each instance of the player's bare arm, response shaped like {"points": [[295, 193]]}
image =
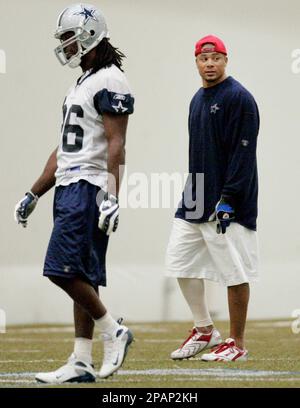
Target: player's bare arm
{"points": [[47, 179], [115, 127], [44, 183], [115, 130]]}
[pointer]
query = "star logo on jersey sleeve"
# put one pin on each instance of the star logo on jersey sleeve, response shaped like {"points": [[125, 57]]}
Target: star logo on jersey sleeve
{"points": [[120, 108], [214, 108], [88, 14]]}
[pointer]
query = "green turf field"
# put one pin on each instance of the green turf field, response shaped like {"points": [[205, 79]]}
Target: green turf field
{"points": [[274, 359]]}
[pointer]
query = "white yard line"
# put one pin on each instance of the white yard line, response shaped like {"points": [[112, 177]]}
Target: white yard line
{"points": [[215, 372], [160, 380], [237, 379], [17, 375], [210, 372]]}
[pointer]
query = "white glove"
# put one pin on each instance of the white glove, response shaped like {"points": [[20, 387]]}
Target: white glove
{"points": [[24, 208], [109, 214]]}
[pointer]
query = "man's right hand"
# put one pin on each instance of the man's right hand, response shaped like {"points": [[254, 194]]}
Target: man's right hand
{"points": [[24, 208], [109, 214]]}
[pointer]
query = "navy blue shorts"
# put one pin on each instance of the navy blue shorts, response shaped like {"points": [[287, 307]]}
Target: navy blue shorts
{"points": [[77, 247]]}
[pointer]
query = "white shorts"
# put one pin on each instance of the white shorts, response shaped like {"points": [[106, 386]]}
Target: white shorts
{"points": [[197, 251]]}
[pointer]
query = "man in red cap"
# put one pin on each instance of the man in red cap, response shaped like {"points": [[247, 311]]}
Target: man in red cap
{"points": [[214, 231]]}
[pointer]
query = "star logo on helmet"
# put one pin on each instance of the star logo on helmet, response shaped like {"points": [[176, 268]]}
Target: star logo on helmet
{"points": [[88, 14]]}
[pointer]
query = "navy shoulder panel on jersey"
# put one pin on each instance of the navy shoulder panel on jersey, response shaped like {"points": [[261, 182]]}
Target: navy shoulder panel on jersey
{"points": [[111, 102]]}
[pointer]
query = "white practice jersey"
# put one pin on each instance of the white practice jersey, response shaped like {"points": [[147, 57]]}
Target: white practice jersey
{"points": [[82, 152]]}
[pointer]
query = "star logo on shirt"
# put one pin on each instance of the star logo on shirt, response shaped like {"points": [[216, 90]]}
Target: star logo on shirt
{"points": [[88, 14], [120, 108], [214, 108]]}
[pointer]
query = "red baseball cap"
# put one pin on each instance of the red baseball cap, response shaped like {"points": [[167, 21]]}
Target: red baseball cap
{"points": [[217, 45]]}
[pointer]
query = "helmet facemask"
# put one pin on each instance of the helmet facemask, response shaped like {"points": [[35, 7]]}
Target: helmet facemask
{"points": [[80, 37]]}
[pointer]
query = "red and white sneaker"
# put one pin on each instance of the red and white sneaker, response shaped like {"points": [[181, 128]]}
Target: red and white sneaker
{"points": [[196, 343], [227, 351]]}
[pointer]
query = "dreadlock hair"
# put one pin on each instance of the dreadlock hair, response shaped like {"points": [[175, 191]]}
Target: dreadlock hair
{"points": [[106, 55]]}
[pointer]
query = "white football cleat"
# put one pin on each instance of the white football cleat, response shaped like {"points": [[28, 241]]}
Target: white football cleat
{"points": [[196, 343], [75, 371], [115, 350], [227, 351]]}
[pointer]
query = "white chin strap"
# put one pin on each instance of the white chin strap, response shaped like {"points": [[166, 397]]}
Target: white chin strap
{"points": [[75, 62]]}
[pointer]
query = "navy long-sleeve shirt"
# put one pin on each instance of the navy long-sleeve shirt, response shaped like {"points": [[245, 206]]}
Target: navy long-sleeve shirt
{"points": [[223, 130]]}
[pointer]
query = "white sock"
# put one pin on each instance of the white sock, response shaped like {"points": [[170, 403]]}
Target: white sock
{"points": [[83, 349], [107, 324], [194, 292]]}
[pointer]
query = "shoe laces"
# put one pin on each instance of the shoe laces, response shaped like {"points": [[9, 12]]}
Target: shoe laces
{"points": [[191, 336], [222, 347], [108, 347], [109, 344]]}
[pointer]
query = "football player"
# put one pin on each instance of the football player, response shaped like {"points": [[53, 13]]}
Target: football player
{"points": [[84, 169]]}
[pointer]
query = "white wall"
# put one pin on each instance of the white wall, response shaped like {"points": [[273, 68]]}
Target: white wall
{"points": [[141, 293], [158, 37]]}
